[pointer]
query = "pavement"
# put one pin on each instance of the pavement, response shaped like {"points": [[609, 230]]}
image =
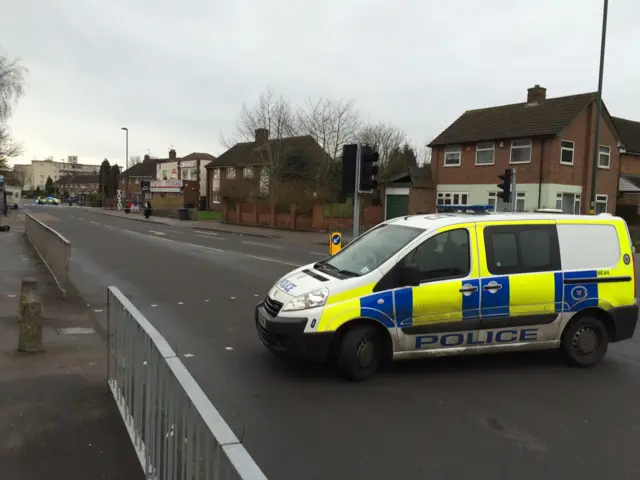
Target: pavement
{"points": [[524, 416], [297, 236], [58, 420]]}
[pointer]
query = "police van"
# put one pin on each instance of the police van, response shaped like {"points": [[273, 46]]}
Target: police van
{"points": [[451, 283]]}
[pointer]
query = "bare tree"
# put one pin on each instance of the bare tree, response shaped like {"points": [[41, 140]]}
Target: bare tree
{"points": [[331, 123], [385, 137], [424, 156], [8, 148], [12, 78], [134, 160]]}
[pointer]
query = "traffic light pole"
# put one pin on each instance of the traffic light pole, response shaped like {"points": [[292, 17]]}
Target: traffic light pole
{"points": [[356, 195]]}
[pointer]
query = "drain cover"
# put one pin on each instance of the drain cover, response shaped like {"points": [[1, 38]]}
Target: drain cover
{"points": [[74, 331]]}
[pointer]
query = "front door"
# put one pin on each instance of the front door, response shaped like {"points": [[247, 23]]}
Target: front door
{"points": [[518, 265], [443, 311]]}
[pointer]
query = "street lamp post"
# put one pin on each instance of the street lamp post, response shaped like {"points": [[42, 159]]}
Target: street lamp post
{"points": [[596, 140], [126, 158]]}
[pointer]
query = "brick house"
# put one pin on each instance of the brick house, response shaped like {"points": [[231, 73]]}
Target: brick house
{"points": [[549, 141], [78, 184], [629, 186], [409, 193], [248, 170], [130, 180]]}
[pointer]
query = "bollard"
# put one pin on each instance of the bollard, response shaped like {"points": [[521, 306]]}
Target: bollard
{"points": [[29, 318]]}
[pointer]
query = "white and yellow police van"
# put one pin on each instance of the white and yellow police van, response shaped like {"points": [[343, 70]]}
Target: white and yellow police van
{"points": [[448, 284]]}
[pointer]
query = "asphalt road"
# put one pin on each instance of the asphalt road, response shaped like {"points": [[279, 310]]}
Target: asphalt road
{"points": [[520, 416]]}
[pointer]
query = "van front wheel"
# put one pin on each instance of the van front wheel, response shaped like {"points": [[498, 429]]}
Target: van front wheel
{"points": [[585, 342], [359, 353]]}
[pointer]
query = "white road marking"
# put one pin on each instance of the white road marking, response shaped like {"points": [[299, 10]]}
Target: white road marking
{"points": [[180, 303], [98, 310], [208, 237], [266, 259], [318, 253], [173, 231], [156, 233], [233, 298], [188, 355], [154, 305], [255, 295], [206, 301], [206, 233], [263, 245], [228, 348]]}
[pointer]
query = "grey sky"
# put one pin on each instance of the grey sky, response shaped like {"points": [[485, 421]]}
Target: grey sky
{"points": [[177, 73]]}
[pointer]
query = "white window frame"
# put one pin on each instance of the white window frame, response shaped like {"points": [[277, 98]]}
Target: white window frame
{"points": [[607, 154], [572, 150], [216, 173], [521, 196], [451, 196], [486, 147], [526, 144], [452, 150], [247, 172], [577, 201], [215, 196], [231, 173], [492, 200], [602, 199]]}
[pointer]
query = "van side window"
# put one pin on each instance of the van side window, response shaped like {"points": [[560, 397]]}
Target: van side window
{"points": [[522, 249], [444, 256]]}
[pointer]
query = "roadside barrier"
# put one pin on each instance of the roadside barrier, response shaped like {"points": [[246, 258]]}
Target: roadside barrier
{"points": [[177, 432], [53, 249]]}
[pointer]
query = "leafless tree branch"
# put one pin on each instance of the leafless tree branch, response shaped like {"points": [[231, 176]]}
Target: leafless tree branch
{"points": [[384, 136], [8, 148], [12, 80]]}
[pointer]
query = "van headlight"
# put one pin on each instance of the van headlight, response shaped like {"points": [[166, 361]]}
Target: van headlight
{"points": [[317, 298]]}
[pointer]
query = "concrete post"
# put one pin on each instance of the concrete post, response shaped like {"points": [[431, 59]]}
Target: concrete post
{"points": [[29, 318]]}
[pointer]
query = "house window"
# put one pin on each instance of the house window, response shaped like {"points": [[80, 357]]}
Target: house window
{"points": [[216, 173], [604, 160], [450, 198], [521, 151], [189, 173], [601, 204], [247, 172], [215, 197], [231, 173], [264, 181], [500, 205], [485, 153], [568, 203], [520, 201], [215, 186], [566, 152], [452, 156]]}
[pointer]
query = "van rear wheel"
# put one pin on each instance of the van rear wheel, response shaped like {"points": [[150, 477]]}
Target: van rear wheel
{"points": [[359, 353], [585, 342]]}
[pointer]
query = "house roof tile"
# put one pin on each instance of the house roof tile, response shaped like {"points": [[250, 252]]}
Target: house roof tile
{"points": [[549, 117]]}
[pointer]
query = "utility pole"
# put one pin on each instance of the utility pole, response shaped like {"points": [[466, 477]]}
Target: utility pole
{"points": [[596, 140], [514, 195]]}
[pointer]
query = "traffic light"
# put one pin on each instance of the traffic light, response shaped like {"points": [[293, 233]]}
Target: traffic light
{"points": [[505, 186], [369, 169], [349, 157]]}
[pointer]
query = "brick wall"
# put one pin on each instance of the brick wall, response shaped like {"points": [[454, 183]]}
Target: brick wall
{"points": [[266, 215]]}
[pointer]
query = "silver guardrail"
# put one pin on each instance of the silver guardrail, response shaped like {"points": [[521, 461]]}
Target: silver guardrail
{"points": [[177, 432], [53, 249]]}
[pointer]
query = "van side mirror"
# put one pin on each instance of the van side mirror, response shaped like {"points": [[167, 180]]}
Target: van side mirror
{"points": [[410, 275]]}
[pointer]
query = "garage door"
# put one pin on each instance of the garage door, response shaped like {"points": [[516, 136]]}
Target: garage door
{"points": [[397, 206]]}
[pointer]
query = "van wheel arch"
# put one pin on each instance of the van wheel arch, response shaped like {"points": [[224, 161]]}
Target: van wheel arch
{"points": [[385, 336], [595, 312]]}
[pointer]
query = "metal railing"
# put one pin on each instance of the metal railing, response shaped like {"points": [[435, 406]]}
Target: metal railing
{"points": [[176, 431], [53, 249]]}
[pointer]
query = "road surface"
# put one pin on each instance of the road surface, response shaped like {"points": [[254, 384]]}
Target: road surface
{"points": [[524, 416]]}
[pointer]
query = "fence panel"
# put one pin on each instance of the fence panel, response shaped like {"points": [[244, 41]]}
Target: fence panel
{"points": [[176, 431], [53, 249]]}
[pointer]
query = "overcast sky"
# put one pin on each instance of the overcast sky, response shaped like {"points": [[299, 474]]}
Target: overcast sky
{"points": [[177, 73]]}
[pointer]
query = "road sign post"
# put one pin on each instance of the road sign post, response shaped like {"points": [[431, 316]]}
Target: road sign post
{"points": [[356, 195], [514, 195], [335, 243]]}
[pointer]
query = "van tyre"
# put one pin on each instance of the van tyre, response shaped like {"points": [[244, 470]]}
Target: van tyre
{"points": [[360, 353], [585, 342]]}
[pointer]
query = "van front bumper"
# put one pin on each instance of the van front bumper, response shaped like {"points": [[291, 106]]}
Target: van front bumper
{"points": [[285, 335]]}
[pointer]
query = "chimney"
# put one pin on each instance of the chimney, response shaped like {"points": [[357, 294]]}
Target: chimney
{"points": [[147, 158], [262, 135], [536, 94], [172, 154]]}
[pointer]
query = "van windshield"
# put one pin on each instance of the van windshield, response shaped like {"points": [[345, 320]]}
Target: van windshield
{"points": [[369, 251]]}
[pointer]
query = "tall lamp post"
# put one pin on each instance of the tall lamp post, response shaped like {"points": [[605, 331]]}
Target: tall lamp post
{"points": [[596, 140], [126, 158]]}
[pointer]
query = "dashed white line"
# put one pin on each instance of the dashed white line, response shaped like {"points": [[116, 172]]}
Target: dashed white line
{"points": [[93, 223], [318, 253], [206, 233], [263, 245], [208, 237], [156, 232], [274, 260]]}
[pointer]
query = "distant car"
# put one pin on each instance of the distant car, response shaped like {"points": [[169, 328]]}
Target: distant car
{"points": [[48, 201]]}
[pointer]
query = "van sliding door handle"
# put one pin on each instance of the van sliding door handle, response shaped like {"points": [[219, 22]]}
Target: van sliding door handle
{"points": [[468, 289], [492, 288]]}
